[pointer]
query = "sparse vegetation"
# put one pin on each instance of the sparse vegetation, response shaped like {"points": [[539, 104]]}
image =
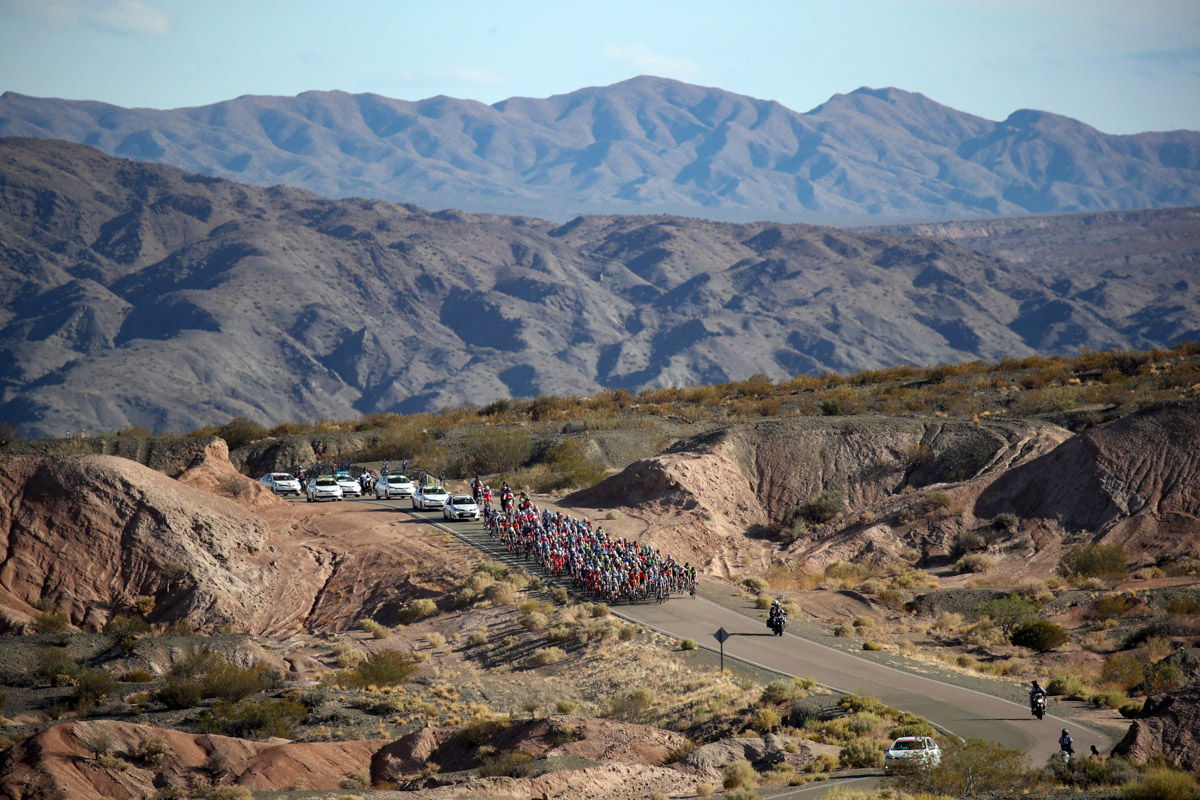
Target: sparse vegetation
{"points": [[1094, 560]]}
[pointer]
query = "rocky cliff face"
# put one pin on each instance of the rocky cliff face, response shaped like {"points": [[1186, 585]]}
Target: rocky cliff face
{"points": [[1169, 728], [90, 534]]}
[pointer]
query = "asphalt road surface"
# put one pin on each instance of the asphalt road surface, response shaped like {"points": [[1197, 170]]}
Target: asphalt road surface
{"points": [[958, 711]]}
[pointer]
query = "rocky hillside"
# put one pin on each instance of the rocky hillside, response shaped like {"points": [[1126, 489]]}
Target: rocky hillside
{"points": [[905, 489], [88, 535], [139, 294], [1139, 263], [647, 145]]}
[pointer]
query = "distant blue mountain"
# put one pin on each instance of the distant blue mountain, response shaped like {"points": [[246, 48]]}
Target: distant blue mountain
{"points": [[648, 145]]}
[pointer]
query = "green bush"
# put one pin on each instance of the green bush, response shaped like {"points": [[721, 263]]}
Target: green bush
{"points": [[821, 507], [974, 769], [755, 583], [1122, 669], [506, 764], [740, 774], [178, 693], [1164, 783], [1065, 686], [633, 706], [240, 431], [778, 692], [569, 462], [489, 450], [421, 608], [94, 687], [151, 751], [854, 703], [861, 753], [231, 682], [1182, 604], [1113, 605], [385, 668], [922, 728], [1132, 709], [1161, 677], [1093, 560], [1039, 635], [545, 656], [51, 622], [1009, 612], [1084, 773], [252, 719], [55, 665]]}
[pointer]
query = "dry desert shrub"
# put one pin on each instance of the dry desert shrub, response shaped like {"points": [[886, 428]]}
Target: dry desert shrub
{"points": [[975, 563], [545, 656], [948, 621]]}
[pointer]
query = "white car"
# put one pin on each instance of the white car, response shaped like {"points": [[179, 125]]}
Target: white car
{"points": [[430, 496], [281, 483], [460, 506], [324, 487], [394, 485], [912, 751], [349, 485]]}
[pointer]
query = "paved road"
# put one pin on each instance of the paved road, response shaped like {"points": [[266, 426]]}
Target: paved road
{"points": [[962, 712]]}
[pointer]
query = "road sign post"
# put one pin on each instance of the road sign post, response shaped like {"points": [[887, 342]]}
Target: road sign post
{"points": [[721, 635]]}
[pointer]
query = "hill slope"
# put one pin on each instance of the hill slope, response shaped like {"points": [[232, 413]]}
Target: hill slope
{"points": [[647, 145], [142, 294]]}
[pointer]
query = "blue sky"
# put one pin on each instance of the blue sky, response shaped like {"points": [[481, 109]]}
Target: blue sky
{"points": [[1124, 66]]}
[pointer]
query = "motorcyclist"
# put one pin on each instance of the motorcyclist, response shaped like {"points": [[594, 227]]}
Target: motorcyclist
{"points": [[1034, 694], [776, 614]]}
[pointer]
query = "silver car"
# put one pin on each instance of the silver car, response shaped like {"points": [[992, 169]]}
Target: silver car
{"points": [[281, 483], [393, 485], [349, 485], [430, 496], [460, 506], [911, 751], [324, 487]]}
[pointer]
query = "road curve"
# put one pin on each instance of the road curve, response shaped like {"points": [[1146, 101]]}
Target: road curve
{"points": [[963, 712]]}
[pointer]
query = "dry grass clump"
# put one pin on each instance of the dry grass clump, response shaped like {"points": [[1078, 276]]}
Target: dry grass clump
{"points": [[975, 563], [419, 609], [545, 656]]}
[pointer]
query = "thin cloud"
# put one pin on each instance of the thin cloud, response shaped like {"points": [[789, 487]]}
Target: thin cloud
{"points": [[645, 60], [122, 16], [464, 75], [1175, 56]]}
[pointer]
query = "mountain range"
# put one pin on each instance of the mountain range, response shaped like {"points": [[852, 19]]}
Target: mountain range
{"points": [[648, 145], [137, 293]]}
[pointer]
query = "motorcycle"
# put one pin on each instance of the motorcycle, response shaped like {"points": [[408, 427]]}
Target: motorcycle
{"points": [[777, 623], [1039, 706]]}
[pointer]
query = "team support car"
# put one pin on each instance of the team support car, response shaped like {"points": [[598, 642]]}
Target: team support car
{"points": [[324, 487], [430, 496], [281, 483], [349, 485], [394, 485], [912, 751], [460, 506]]}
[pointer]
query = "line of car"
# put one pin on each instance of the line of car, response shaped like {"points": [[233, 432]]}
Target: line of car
{"points": [[390, 486]]}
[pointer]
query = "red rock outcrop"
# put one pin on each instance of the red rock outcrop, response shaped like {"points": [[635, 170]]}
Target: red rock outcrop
{"points": [[560, 735], [89, 534], [61, 762]]}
